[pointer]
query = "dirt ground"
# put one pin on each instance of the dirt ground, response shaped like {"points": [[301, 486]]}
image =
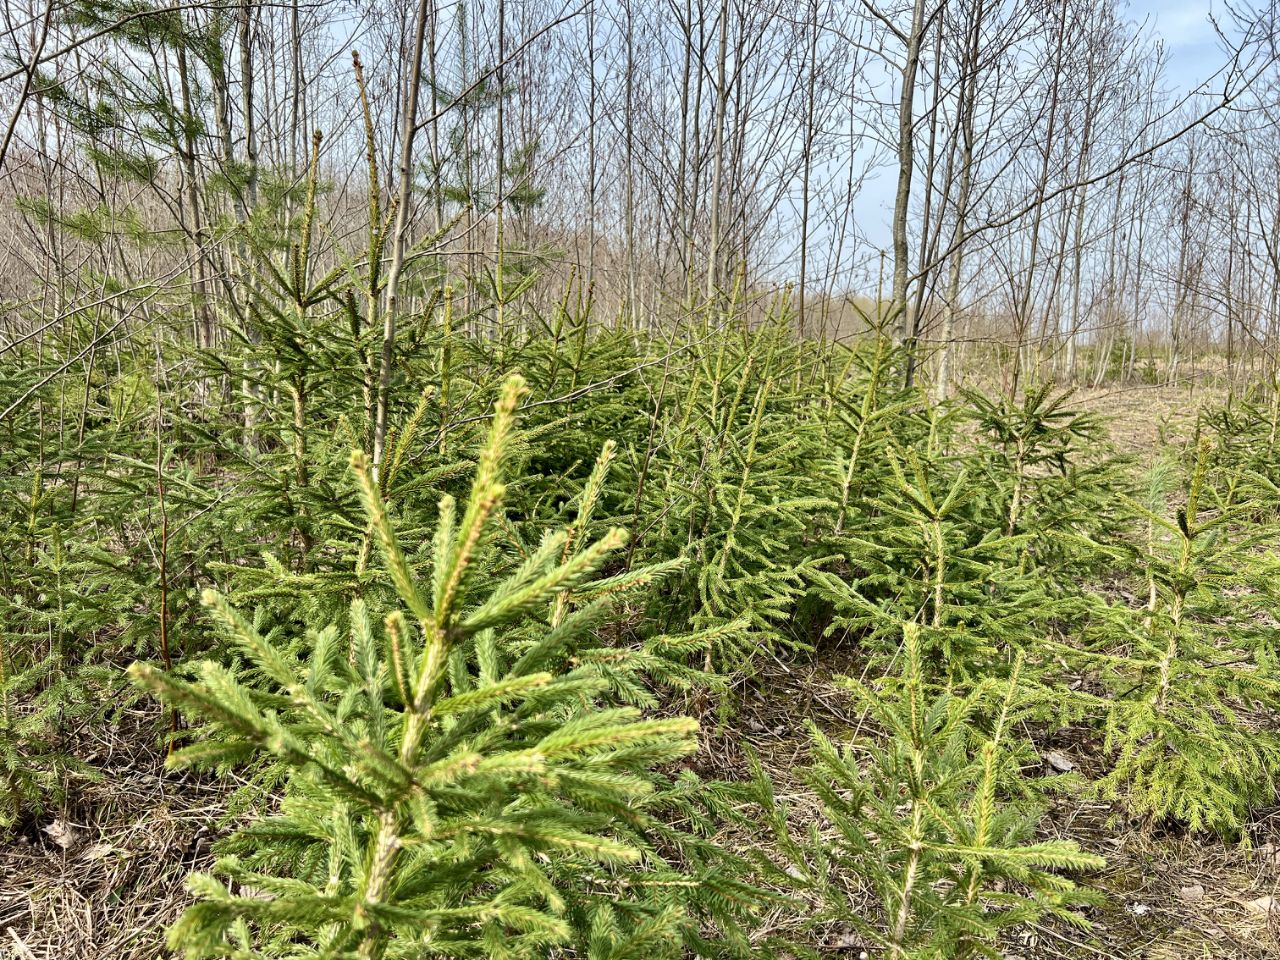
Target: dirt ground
{"points": [[104, 879]]}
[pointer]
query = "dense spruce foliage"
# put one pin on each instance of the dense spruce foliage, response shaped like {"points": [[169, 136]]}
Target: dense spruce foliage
{"points": [[607, 481], [463, 688]]}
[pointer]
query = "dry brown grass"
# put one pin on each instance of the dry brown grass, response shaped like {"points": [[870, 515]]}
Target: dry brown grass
{"points": [[104, 877], [1144, 419]]}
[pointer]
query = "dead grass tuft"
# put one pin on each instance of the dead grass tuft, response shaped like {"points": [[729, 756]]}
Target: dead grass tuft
{"points": [[104, 877]]}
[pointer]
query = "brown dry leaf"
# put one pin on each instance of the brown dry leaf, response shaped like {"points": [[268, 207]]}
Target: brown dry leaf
{"points": [[1265, 905], [849, 941], [1059, 761], [101, 851], [61, 833]]}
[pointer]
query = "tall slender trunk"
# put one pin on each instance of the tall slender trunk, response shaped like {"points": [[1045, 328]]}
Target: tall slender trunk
{"points": [[809, 134], [409, 125], [1077, 230], [1021, 312], [199, 282], [246, 102], [246, 199], [967, 109], [630, 212], [591, 145], [928, 236], [717, 161], [437, 158], [500, 200], [906, 168], [297, 102]]}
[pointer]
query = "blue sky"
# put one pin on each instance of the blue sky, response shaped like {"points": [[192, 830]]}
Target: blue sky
{"points": [[1184, 26]]}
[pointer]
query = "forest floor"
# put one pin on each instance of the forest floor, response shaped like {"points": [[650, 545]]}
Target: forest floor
{"points": [[1143, 419], [1169, 895], [104, 879]]}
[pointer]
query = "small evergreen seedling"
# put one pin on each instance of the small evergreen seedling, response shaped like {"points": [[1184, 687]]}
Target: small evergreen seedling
{"points": [[459, 787], [929, 563], [1046, 473], [1193, 676], [922, 819], [746, 515], [1036, 438]]}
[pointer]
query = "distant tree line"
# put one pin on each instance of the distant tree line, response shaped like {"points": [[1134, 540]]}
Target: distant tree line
{"points": [[1052, 200]]}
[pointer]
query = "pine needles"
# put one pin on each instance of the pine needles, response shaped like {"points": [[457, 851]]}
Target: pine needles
{"points": [[922, 815]]}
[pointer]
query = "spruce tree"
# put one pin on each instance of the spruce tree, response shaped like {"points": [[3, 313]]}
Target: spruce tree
{"points": [[459, 785], [1191, 676], [930, 556], [927, 819]]}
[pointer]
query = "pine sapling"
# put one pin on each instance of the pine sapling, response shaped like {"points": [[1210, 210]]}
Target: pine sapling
{"points": [[1192, 678]]}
